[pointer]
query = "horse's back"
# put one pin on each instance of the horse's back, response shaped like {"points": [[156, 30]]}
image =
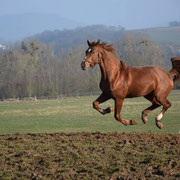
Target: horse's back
{"points": [[144, 80]]}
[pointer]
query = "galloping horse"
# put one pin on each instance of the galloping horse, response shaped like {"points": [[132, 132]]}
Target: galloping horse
{"points": [[119, 81]]}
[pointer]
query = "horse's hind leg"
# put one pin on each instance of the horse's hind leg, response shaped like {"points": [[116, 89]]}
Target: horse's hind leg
{"points": [[166, 105], [154, 105], [147, 111]]}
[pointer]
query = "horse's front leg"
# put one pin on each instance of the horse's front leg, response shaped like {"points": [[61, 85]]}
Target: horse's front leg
{"points": [[118, 107], [102, 98]]}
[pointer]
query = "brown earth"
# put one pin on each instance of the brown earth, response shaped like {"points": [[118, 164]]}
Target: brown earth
{"points": [[90, 156]]}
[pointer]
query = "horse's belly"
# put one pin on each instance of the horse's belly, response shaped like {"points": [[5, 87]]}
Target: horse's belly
{"points": [[141, 89]]}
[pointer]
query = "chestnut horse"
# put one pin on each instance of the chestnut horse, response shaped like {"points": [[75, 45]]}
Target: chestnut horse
{"points": [[119, 81]]}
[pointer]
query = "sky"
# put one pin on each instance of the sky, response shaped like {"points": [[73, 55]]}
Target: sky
{"points": [[131, 14]]}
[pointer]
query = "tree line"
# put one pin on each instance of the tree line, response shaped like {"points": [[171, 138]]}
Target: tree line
{"points": [[29, 69]]}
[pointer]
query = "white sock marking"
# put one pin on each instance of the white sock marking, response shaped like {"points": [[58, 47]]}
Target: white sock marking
{"points": [[159, 117]]}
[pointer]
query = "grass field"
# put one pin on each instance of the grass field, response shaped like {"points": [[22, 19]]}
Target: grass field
{"points": [[75, 114]]}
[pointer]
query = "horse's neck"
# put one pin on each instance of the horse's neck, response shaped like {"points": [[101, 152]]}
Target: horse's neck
{"points": [[109, 65]]}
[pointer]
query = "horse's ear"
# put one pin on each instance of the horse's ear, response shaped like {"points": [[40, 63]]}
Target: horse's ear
{"points": [[89, 43], [98, 42]]}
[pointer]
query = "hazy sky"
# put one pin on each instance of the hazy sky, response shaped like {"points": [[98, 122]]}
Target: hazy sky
{"points": [[131, 14]]}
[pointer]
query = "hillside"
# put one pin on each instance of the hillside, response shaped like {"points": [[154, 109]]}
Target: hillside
{"points": [[69, 38], [18, 26], [74, 37], [163, 35]]}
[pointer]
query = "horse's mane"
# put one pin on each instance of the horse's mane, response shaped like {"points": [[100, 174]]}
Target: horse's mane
{"points": [[106, 46]]}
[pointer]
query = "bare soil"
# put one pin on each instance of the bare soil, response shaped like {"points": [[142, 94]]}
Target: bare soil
{"points": [[90, 156]]}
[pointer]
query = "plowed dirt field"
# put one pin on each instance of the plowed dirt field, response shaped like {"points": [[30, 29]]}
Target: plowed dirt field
{"points": [[90, 156]]}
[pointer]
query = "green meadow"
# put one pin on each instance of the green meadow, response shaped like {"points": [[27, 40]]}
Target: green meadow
{"points": [[75, 114]]}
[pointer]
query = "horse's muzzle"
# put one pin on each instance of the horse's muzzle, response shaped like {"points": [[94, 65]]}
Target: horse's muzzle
{"points": [[83, 65]]}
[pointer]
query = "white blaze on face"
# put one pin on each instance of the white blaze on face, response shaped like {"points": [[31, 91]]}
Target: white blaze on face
{"points": [[159, 117], [89, 50]]}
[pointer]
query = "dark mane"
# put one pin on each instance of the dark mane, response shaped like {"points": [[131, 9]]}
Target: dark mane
{"points": [[106, 46]]}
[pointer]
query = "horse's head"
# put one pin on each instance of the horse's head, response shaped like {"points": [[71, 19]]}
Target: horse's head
{"points": [[92, 56]]}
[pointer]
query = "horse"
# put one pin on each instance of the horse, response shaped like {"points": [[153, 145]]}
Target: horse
{"points": [[120, 81]]}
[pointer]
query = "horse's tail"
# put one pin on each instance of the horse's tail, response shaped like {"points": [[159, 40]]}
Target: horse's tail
{"points": [[175, 71]]}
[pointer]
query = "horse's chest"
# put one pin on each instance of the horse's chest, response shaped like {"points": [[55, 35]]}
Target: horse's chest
{"points": [[116, 89], [105, 86]]}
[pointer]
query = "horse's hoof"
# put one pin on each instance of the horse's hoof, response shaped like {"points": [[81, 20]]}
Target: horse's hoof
{"points": [[159, 124], [132, 122], [107, 110], [144, 118], [111, 109]]}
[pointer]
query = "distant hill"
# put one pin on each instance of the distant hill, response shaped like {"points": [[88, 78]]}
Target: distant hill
{"points": [[2, 41], [50, 28], [163, 35], [19, 26], [69, 38]]}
